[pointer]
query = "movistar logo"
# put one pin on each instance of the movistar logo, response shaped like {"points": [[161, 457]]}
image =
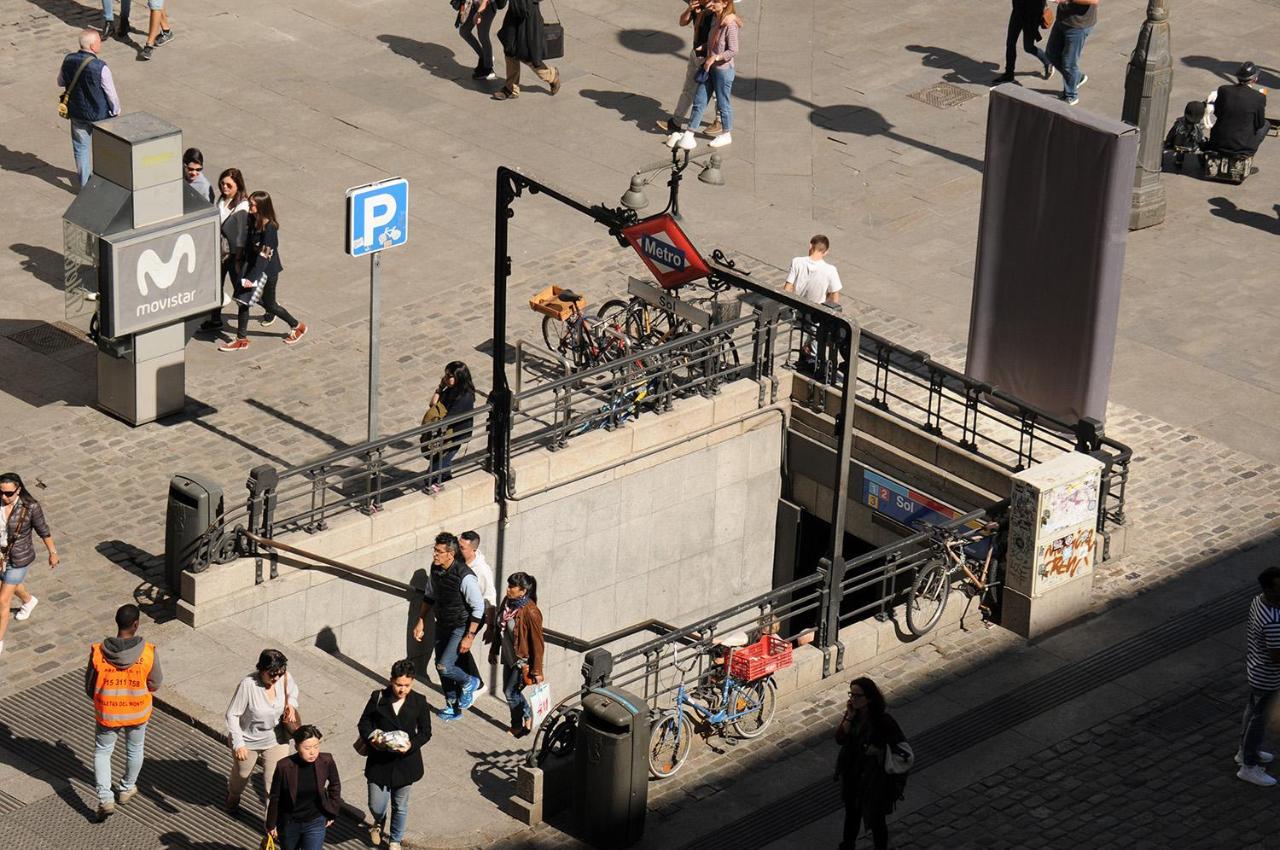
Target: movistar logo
{"points": [[164, 273]]}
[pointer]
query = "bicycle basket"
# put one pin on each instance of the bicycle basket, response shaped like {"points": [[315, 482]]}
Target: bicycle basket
{"points": [[755, 661], [548, 302]]}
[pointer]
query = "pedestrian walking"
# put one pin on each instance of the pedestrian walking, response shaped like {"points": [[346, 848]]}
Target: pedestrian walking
{"points": [[395, 726], [697, 15], [520, 646], [456, 393], [193, 173], [469, 544], [233, 215], [715, 77], [1075, 19], [158, 31], [121, 29], [259, 717], [306, 794], [1262, 671], [20, 514], [1025, 20], [812, 277], [475, 19], [454, 594], [262, 255], [123, 673], [870, 793], [524, 42], [90, 94]]}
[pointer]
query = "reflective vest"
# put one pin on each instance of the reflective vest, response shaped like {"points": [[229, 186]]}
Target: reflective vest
{"points": [[120, 697]]}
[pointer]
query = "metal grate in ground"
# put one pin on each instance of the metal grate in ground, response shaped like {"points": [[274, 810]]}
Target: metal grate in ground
{"points": [[942, 95], [971, 727], [180, 790], [47, 338]]}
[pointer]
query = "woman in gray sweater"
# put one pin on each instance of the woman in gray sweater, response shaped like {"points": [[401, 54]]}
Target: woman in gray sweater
{"points": [[263, 701]]}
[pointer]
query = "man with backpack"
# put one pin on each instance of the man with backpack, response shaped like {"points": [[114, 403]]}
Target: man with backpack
{"points": [[90, 95]]}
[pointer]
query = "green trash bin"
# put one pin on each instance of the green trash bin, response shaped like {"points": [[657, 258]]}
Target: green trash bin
{"points": [[195, 505], [611, 768]]}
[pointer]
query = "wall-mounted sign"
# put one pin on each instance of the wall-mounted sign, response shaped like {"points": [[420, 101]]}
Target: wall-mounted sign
{"points": [[667, 252], [161, 275]]}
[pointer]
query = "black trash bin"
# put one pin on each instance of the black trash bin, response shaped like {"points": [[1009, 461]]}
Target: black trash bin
{"points": [[195, 505], [611, 768]]}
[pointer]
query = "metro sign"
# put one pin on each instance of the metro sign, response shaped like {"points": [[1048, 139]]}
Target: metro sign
{"points": [[667, 252]]}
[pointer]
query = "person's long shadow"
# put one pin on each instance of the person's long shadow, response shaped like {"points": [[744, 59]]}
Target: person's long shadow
{"points": [[24, 162], [1226, 69], [962, 69], [638, 109], [494, 773], [56, 758], [438, 60], [70, 13], [654, 42], [1225, 208], [864, 121], [41, 263]]}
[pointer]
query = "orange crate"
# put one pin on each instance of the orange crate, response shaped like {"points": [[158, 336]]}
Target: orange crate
{"points": [[755, 661], [548, 303]]}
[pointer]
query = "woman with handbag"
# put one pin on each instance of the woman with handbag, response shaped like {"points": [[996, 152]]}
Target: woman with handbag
{"points": [[1026, 19], [455, 394], [715, 77], [395, 725], [524, 40], [306, 794], [20, 514], [262, 714], [865, 734], [233, 215], [521, 646], [259, 283]]}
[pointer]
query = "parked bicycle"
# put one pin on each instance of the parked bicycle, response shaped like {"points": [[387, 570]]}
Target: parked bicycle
{"points": [[584, 340], [647, 326], [951, 563], [736, 694]]}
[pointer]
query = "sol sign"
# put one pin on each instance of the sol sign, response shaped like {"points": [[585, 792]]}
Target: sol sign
{"points": [[667, 252]]}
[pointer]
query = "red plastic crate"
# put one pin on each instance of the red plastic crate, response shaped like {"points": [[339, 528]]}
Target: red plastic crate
{"points": [[755, 661]]}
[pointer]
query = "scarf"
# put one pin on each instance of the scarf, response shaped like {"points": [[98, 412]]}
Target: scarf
{"points": [[511, 607]]}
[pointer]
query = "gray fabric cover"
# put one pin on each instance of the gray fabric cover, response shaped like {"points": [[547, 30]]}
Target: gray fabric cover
{"points": [[1046, 288]]}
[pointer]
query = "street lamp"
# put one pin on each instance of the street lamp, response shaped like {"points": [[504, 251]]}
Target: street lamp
{"points": [[635, 199]]}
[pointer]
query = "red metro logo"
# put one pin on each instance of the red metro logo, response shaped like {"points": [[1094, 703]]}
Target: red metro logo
{"points": [[667, 252]]}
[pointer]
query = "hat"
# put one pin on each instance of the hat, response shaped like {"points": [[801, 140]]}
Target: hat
{"points": [[1247, 72]]}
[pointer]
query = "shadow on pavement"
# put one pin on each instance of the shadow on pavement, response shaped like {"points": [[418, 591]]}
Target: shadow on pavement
{"points": [[1226, 69], [638, 109], [962, 69], [41, 263], [57, 758], [70, 13], [654, 42], [1224, 208], [439, 60], [864, 121], [494, 774]]}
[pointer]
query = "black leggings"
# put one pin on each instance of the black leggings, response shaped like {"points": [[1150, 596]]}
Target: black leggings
{"points": [[854, 817], [269, 304], [482, 46], [1029, 30]]}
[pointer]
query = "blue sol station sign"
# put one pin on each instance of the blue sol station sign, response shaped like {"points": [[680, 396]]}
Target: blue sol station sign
{"points": [[667, 252]]}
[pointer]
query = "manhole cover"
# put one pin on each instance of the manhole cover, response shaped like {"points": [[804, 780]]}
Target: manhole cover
{"points": [[942, 95], [49, 339]]}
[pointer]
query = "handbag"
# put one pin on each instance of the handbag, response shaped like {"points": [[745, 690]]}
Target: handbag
{"points": [[13, 538], [65, 97], [289, 726], [553, 36], [249, 297], [1046, 17], [268, 843], [899, 759]]}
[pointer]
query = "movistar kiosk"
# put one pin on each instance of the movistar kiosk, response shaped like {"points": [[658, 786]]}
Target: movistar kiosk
{"points": [[140, 256]]}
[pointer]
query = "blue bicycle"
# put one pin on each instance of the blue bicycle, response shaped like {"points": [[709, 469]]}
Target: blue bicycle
{"points": [[745, 706]]}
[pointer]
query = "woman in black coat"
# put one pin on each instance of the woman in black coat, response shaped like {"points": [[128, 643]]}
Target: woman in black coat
{"points": [[869, 792], [524, 40], [1025, 18], [390, 768], [306, 794]]}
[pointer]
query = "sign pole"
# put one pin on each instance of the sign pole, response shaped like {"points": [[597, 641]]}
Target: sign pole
{"points": [[375, 283]]}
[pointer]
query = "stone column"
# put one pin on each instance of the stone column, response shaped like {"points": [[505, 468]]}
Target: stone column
{"points": [[1146, 106]]}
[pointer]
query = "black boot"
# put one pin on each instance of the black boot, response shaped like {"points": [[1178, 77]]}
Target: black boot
{"points": [[122, 29]]}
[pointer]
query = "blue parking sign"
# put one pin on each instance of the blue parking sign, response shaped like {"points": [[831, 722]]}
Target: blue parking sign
{"points": [[377, 216]]}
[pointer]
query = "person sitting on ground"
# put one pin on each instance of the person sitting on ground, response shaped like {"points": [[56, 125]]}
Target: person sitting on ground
{"points": [[1187, 133], [1241, 115]]}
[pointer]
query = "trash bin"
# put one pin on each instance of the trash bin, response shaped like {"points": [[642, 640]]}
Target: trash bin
{"points": [[195, 504], [611, 768]]}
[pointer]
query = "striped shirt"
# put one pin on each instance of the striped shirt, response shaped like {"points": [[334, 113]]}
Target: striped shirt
{"points": [[1262, 636]]}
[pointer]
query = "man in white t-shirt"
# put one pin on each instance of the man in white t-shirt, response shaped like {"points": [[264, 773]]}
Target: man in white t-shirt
{"points": [[469, 543], [812, 277]]}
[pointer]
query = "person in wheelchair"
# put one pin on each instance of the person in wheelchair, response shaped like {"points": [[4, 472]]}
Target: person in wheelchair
{"points": [[1186, 136], [1240, 116]]}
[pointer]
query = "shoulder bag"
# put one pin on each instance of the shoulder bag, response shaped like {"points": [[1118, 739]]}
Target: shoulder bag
{"points": [[289, 726], [65, 97], [13, 538], [553, 36], [1046, 17]]}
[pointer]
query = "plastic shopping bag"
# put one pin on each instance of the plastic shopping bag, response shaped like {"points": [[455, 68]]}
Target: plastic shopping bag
{"points": [[539, 698]]}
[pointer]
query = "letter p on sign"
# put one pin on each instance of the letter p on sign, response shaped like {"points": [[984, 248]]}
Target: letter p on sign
{"points": [[377, 216]]}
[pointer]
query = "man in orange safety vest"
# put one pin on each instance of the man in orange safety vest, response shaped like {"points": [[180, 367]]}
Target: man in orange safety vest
{"points": [[122, 674]]}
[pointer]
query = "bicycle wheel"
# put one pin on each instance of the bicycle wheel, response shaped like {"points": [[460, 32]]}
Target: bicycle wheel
{"points": [[669, 744], [756, 701], [928, 598], [552, 332], [614, 312]]}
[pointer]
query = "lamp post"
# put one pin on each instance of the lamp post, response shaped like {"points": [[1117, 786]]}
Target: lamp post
{"points": [[1146, 106], [635, 199]]}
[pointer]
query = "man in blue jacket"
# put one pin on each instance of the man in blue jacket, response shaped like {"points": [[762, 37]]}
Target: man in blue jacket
{"points": [[91, 97]]}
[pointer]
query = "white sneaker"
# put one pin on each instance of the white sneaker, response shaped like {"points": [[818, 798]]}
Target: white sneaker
{"points": [[27, 607], [671, 140], [394, 845], [1, 646], [687, 141], [1084, 78], [1264, 757], [1256, 775], [375, 834], [721, 140], [484, 686]]}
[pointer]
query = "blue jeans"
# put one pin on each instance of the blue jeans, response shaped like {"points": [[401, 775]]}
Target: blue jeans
{"points": [[124, 10], [1064, 49], [304, 835], [1255, 724], [719, 82], [512, 685], [81, 132], [379, 797], [452, 677], [105, 745]]}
